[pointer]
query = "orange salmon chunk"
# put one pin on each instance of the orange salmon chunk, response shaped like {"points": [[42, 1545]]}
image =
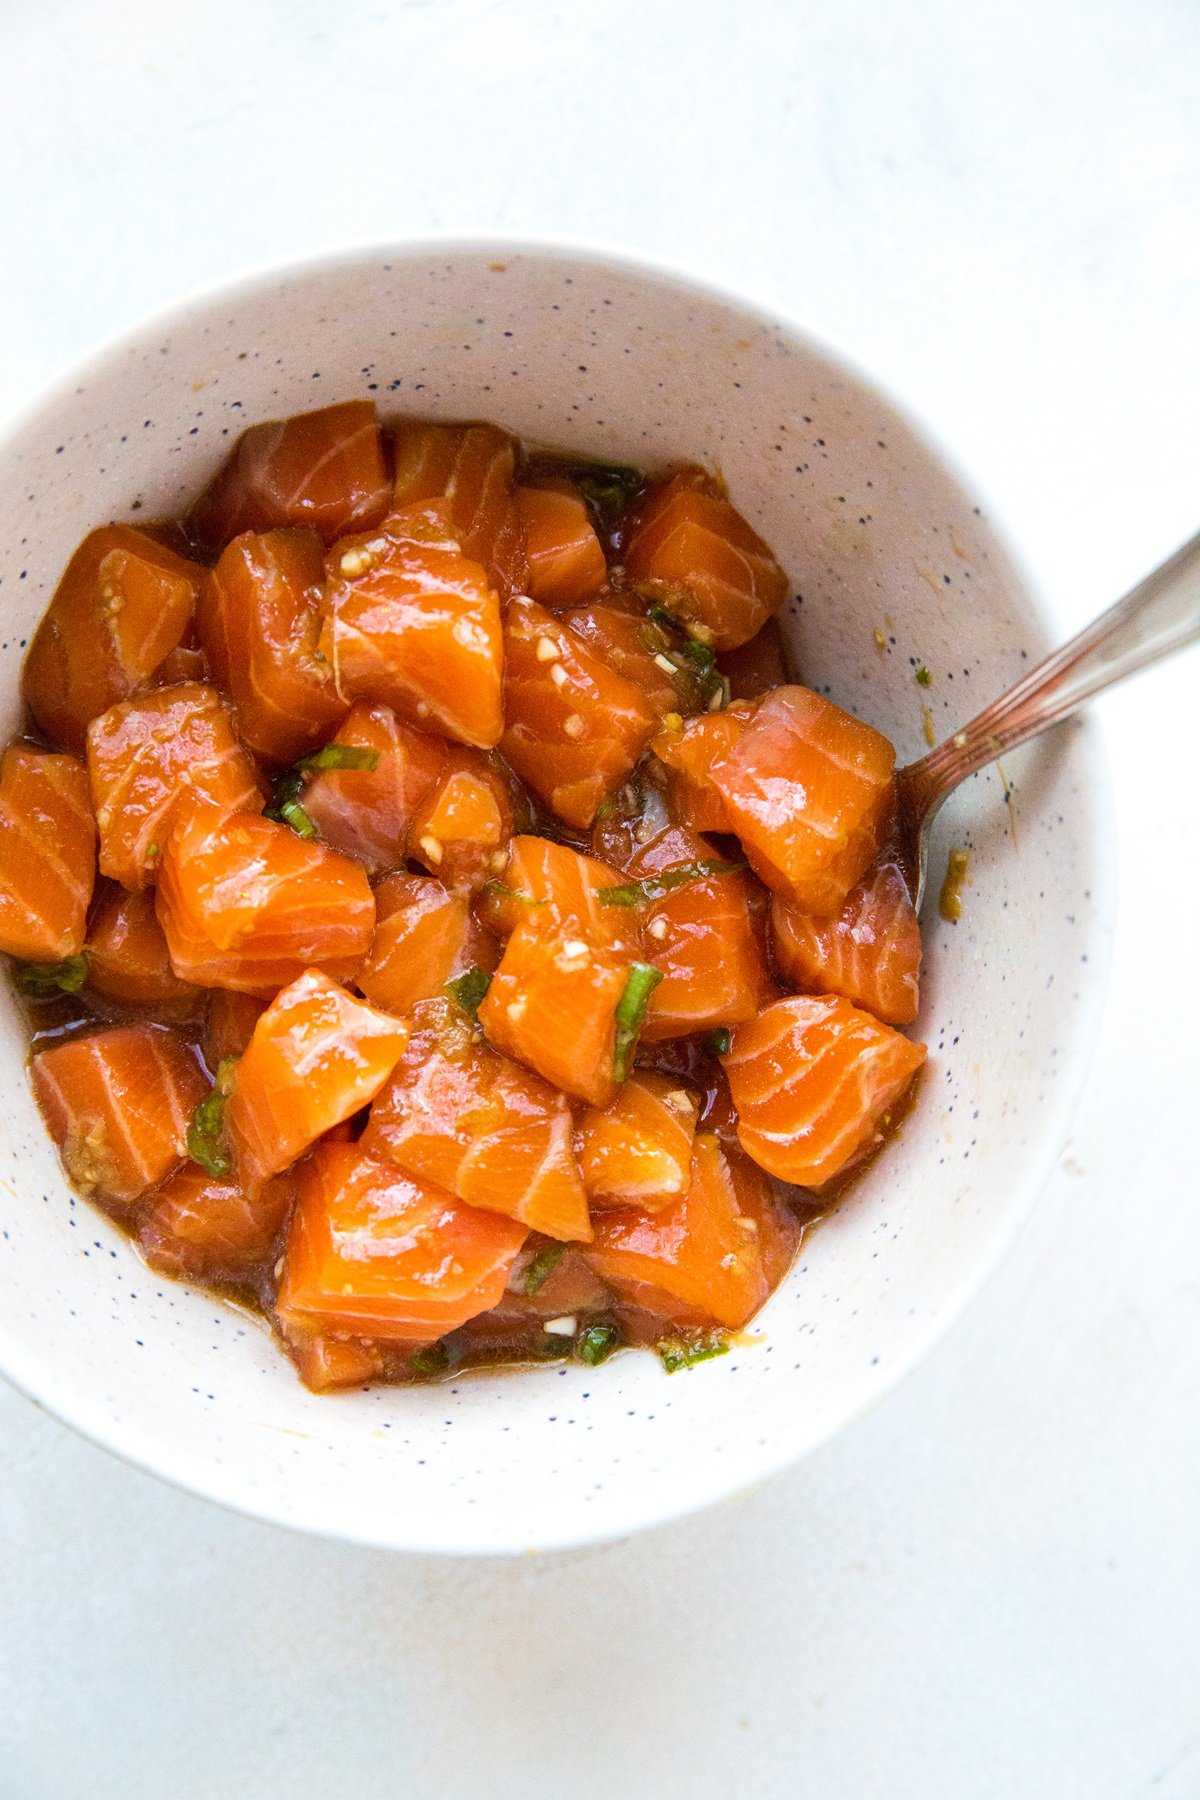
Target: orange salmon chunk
{"points": [[121, 607], [316, 1056], [206, 1229], [575, 728], [643, 653], [688, 754], [543, 879], [128, 960], [462, 831], [811, 1082], [869, 952], [117, 1105], [552, 1005], [696, 1260], [323, 469], [424, 936], [259, 620], [458, 1113], [368, 813], [566, 560], [638, 1149], [809, 791], [325, 1364], [467, 471], [148, 756], [47, 855], [244, 903], [696, 555], [413, 622], [372, 1252]]}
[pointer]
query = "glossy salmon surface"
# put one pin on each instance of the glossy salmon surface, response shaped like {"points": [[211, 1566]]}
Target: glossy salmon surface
{"points": [[462, 830], [806, 787], [326, 1364], [688, 754], [424, 937], [315, 1057], [812, 1080], [638, 1149], [147, 758], [461, 1115], [704, 564], [868, 952], [202, 1228], [368, 813], [128, 961], [122, 605], [693, 1262], [244, 903], [551, 881], [373, 1252], [565, 557], [117, 1105], [643, 652], [552, 1005], [575, 728], [322, 469], [47, 854], [259, 620], [413, 622], [469, 471]]}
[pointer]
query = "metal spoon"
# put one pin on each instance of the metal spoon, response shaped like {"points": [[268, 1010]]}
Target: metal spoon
{"points": [[1156, 618]]}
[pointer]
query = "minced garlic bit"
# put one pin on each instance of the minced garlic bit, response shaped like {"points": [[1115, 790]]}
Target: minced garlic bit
{"points": [[558, 675], [431, 847], [546, 650], [717, 701], [498, 861], [573, 725], [515, 1010], [657, 929], [356, 562], [561, 1327], [573, 956], [672, 721], [664, 662], [679, 1100]]}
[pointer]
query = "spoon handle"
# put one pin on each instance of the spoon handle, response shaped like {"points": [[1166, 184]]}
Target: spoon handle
{"points": [[1156, 618]]}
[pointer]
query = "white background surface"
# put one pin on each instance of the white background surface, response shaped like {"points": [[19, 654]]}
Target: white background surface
{"points": [[989, 1587]]}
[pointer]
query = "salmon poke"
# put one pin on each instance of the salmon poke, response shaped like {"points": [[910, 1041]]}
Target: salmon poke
{"points": [[446, 922]]}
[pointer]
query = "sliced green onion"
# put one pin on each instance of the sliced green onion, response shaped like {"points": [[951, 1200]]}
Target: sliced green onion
{"points": [[497, 890], [631, 1014], [596, 1343], [293, 814], [434, 1360], [543, 1266], [703, 655], [662, 618], [607, 491], [717, 1042], [469, 988], [682, 1353], [640, 893], [340, 756], [52, 977], [206, 1130]]}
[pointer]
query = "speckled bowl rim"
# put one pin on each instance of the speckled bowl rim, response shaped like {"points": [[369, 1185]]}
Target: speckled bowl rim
{"points": [[217, 1484]]}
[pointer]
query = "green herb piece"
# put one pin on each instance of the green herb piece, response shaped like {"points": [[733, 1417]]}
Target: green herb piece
{"points": [[151, 851], [662, 618], [640, 893], [339, 756], [543, 1266], [596, 1343], [717, 1042], [468, 989], [206, 1130], [703, 655], [434, 1360], [293, 814], [683, 1353], [43, 979], [923, 676], [630, 1015], [608, 491]]}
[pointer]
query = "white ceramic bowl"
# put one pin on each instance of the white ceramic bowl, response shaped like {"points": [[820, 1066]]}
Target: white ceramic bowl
{"points": [[606, 356]]}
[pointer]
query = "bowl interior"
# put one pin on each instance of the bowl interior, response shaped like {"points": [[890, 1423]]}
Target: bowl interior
{"points": [[893, 569]]}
